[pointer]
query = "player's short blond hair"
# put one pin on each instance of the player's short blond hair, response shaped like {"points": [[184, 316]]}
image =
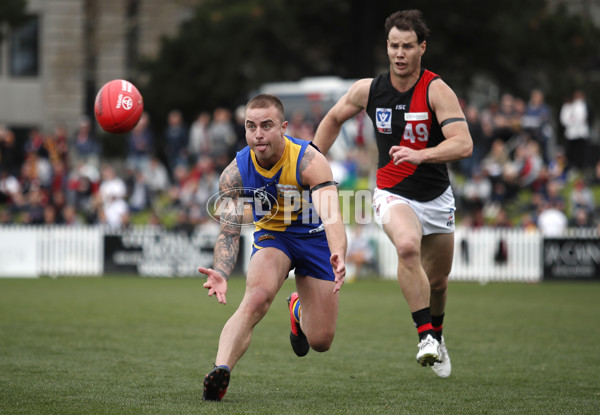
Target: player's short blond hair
{"points": [[266, 101]]}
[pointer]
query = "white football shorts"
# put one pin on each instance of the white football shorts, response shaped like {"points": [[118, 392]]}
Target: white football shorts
{"points": [[436, 216]]}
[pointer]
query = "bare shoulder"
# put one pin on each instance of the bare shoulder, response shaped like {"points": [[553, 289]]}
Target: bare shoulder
{"points": [[358, 93], [443, 99], [352, 102]]}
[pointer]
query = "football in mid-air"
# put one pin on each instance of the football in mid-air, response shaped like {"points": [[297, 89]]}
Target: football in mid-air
{"points": [[118, 107]]}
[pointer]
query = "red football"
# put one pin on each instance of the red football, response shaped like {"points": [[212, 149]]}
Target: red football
{"points": [[119, 106]]}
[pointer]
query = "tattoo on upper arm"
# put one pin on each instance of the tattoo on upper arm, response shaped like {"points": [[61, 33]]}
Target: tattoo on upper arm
{"points": [[230, 178], [309, 156]]}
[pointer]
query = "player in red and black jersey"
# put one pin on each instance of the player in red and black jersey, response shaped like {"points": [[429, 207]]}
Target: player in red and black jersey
{"points": [[419, 127]]}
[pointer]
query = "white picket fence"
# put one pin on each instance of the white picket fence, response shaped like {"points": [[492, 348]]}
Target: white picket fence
{"points": [[30, 251], [71, 251], [475, 254]]}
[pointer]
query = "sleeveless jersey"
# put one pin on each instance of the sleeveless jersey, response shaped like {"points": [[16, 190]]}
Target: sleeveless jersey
{"points": [[406, 119], [279, 201]]}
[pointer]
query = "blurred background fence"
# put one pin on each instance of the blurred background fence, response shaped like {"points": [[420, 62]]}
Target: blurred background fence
{"points": [[484, 255]]}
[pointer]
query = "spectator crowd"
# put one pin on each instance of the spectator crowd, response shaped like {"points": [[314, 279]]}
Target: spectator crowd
{"points": [[60, 179], [533, 166]]}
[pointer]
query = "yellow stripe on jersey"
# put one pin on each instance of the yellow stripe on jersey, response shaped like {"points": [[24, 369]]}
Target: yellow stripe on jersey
{"points": [[289, 191]]}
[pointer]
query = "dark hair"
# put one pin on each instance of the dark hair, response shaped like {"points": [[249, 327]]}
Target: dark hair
{"points": [[266, 101], [408, 20]]}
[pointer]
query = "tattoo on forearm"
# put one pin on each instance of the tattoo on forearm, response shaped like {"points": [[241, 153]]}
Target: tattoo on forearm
{"points": [[226, 251], [228, 242]]}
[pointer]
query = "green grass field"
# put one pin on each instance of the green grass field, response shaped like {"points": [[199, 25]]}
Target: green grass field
{"points": [[142, 346]]}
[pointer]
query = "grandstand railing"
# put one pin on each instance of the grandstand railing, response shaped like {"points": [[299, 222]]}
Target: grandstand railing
{"points": [[483, 255]]}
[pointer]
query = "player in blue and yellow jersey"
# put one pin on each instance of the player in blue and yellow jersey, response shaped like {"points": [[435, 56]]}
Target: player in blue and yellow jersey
{"points": [[299, 226], [419, 127]]}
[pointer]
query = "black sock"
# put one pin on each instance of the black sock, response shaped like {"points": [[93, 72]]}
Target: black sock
{"points": [[422, 319], [438, 323]]}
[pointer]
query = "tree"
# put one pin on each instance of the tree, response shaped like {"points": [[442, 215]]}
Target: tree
{"points": [[12, 12], [229, 48]]}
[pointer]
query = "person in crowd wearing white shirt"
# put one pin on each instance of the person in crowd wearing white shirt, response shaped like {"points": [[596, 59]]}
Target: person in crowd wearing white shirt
{"points": [[574, 117], [113, 191]]}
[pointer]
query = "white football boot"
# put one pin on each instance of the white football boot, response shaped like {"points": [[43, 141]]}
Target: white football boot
{"points": [[443, 368], [429, 351]]}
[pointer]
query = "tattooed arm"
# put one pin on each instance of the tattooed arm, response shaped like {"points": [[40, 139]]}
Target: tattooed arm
{"points": [[228, 242]]}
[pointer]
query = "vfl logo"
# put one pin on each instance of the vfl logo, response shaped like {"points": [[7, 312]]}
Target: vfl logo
{"points": [[383, 120]]}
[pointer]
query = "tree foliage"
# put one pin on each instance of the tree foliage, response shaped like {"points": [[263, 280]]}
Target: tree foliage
{"points": [[12, 12], [227, 49]]}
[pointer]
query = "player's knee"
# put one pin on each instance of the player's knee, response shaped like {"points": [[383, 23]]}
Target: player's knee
{"points": [[439, 285], [258, 302], [322, 345], [408, 252], [321, 342]]}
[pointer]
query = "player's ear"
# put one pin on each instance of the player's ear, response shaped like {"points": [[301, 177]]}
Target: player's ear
{"points": [[423, 47], [284, 127]]}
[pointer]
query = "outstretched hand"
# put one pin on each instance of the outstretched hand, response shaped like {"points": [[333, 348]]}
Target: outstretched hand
{"points": [[339, 270], [215, 284]]}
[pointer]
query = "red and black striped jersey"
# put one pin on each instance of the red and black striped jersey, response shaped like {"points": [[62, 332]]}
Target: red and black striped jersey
{"points": [[406, 119]]}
